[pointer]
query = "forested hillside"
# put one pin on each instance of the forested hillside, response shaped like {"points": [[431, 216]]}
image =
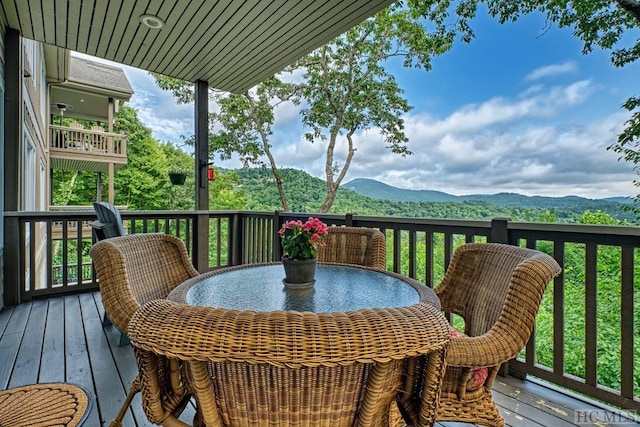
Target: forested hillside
{"points": [[380, 190], [305, 193]]}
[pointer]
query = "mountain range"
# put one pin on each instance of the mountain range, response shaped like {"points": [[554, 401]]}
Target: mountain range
{"points": [[379, 190], [305, 193]]}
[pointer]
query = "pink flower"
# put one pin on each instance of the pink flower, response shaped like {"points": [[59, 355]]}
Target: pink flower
{"points": [[302, 240]]}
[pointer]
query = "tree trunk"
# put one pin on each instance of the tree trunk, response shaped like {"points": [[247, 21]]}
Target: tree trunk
{"points": [[264, 137], [334, 184]]}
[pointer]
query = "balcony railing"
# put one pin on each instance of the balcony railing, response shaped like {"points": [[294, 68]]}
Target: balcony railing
{"points": [[83, 149], [582, 355], [94, 141]]}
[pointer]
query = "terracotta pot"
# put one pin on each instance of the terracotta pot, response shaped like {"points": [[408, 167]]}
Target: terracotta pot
{"points": [[299, 273]]}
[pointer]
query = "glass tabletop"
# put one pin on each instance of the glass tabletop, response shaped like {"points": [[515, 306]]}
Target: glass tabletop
{"points": [[338, 288]]}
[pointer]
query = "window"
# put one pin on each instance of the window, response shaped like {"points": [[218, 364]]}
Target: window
{"points": [[29, 174]]}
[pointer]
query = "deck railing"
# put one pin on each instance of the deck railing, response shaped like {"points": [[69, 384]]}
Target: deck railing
{"points": [[96, 142], [588, 343]]}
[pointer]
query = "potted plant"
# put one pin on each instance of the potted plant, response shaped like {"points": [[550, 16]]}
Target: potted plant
{"points": [[300, 243], [177, 177]]}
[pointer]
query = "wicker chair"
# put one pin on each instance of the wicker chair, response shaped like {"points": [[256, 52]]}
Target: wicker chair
{"points": [[284, 368], [497, 290], [50, 404], [354, 245], [136, 269]]}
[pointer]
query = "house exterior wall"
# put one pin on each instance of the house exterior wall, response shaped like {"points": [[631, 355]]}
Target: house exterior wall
{"points": [[25, 168], [2, 34]]}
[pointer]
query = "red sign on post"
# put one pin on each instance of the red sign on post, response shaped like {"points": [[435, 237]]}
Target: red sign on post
{"points": [[211, 174]]}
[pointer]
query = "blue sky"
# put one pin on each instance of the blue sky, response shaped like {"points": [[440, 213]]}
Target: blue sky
{"points": [[519, 109]]}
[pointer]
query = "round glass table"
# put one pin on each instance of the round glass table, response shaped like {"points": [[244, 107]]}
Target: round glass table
{"points": [[338, 288]]}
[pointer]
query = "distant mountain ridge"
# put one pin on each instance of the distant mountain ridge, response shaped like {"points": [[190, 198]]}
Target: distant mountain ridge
{"points": [[306, 193], [379, 190]]}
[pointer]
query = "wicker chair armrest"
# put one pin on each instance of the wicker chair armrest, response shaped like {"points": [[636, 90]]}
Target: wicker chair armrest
{"points": [[491, 349], [287, 338]]}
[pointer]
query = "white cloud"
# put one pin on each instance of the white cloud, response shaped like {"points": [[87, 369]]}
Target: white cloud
{"points": [[552, 70], [507, 145]]}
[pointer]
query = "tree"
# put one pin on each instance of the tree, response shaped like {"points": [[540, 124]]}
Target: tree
{"points": [[143, 183], [346, 89], [244, 123]]}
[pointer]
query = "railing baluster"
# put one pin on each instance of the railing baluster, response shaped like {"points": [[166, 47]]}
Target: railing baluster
{"points": [[412, 254], [591, 313], [627, 323], [558, 317], [428, 259]]}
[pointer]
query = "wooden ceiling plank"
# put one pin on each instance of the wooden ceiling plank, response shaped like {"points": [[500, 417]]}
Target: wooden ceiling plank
{"points": [[111, 18], [167, 10], [250, 23], [61, 23], [199, 34], [99, 26], [145, 37], [26, 23], [85, 28], [49, 16], [272, 62], [118, 29], [74, 25], [38, 20], [175, 40], [270, 36], [130, 32], [11, 14]]}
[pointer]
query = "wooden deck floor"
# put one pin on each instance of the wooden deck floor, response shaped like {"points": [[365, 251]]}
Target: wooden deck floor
{"points": [[62, 339]]}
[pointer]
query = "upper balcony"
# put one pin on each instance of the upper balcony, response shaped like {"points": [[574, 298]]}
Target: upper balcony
{"points": [[92, 150]]}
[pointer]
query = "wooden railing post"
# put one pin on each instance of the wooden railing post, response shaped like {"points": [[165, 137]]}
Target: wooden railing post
{"points": [[277, 247], [13, 253], [348, 219], [201, 242], [500, 230], [237, 232]]}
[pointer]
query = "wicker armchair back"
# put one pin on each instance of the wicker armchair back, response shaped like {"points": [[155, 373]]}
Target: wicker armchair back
{"points": [[354, 245], [497, 290], [283, 368], [136, 269]]}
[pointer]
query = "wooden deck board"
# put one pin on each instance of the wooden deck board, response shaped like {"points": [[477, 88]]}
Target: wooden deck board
{"points": [[62, 339], [27, 362], [53, 344], [10, 342]]}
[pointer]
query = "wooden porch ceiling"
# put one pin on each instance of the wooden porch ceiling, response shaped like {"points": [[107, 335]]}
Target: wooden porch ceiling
{"points": [[230, 44]]}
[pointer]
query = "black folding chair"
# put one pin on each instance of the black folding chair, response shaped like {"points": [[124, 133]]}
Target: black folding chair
{"points": [[109, 223]]}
